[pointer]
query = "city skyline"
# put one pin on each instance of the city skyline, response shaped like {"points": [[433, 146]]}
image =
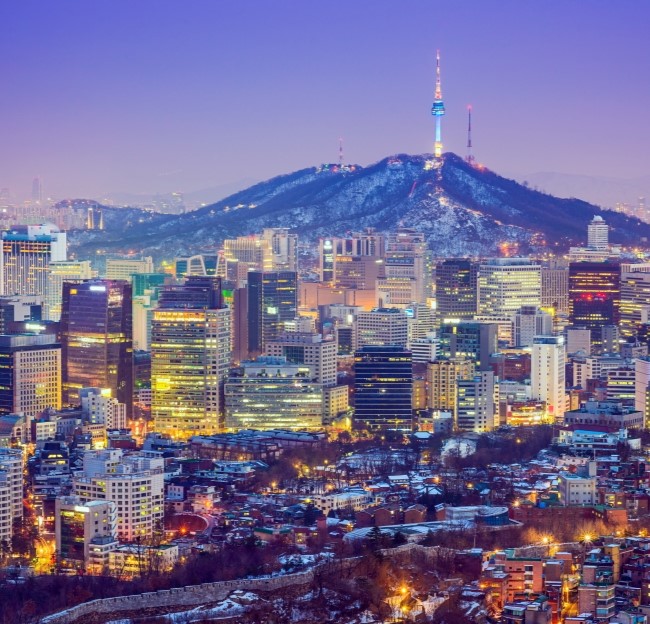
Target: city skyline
{"points": [[146, 99]]}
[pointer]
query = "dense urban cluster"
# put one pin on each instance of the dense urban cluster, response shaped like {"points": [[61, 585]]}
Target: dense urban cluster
{"points": [[282, 406]]}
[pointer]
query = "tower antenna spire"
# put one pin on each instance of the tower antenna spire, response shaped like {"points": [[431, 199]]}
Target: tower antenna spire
{"points": [[470, 157], [438, 95], [438, 109], [340, 151]]}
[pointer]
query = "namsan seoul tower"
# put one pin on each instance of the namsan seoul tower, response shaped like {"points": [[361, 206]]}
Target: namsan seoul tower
{"points": [[438, 110]]}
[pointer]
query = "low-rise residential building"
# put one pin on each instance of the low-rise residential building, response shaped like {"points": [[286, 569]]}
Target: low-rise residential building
{"points": [[576, 490]]}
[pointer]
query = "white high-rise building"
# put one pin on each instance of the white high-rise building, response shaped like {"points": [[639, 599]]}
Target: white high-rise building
{"points": [[641, 386], [100, 408], [425, 349], [283, 248], [529, 322], [244, 254], [547, 374], [598, 234], [59, 272], [11, 465], [125, 269], [27, 251], [6, 515], [381, 327], [475, 402], [309, 349], [506, 284], [405, 268], [135, 483]]}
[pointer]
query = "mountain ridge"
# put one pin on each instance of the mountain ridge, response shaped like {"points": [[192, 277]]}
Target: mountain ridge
{"points": [[462, 209]]}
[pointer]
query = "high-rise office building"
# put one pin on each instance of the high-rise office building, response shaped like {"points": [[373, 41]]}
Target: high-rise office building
{"points": [[594, 296], [146, 289], [383, 387], [271, 393], [635, 297], [381, 327], [283, 248], [19, 309], [555, 289], [309, 349], [421, 319], [187, 266], [547, 374], [11, 466], [272, 300], [598, 234], [475, 403], [69, 271], [358, 272], [456, 289], [30, 374], [469, 339], [145, 283], [27, 251], [244, 254], [642, 387], [37, 191], [529, 322], [96, 339], [358, 244], [6, 519], [506, 284], [406, 278], [126, 268], [190, 355], [441, 377]]}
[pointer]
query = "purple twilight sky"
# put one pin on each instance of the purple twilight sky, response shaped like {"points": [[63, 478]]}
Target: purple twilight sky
{"points": [[155, 95]]}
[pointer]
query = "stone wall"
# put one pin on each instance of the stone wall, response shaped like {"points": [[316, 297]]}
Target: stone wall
{"points": [[195, 595], [190, 596]]}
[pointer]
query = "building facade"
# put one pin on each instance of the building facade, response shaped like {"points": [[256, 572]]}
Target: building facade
{"points": [[190, 355], [383, 387], [97, 339]]}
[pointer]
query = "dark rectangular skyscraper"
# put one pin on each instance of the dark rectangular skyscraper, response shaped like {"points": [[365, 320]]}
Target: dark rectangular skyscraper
{"points": [[594, 296], [456, 289], [469, 339], [272, 300], [97, 339], [383, 387]]}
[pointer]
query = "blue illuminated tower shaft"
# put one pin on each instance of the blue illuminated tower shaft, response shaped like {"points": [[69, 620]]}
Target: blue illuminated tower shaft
{"points": [[438, 110]]}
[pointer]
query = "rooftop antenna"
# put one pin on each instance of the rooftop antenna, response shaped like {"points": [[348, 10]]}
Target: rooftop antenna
{"points": [[470, 157]]}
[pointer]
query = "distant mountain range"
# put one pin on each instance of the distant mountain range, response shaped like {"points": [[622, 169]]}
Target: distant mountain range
{"points": [[599, 190], [190, 198], [462, 210]]}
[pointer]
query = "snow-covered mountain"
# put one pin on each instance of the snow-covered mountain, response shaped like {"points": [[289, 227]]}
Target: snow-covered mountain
{"points": [[462, 209]]}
